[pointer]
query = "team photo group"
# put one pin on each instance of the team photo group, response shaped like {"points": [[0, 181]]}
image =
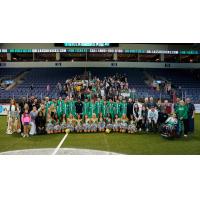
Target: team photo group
{"points": [[83, 109]]}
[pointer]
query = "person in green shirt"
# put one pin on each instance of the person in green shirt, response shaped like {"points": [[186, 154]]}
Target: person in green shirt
{"points": [[110, 109], [104, 109], [65, 108], [124, 107], [176, 105], [91, 108], [97, 107], [182, 114], [72, 108], [47, 104], [117, 108], [59, 107], [85, 107]]}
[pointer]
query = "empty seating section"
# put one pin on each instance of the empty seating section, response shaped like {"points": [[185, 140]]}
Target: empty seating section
{"points": [[41, 77]]}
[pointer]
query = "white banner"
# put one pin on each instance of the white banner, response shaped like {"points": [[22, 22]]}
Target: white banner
{"points": [[125, 94], [197, 108], [4, 109]]}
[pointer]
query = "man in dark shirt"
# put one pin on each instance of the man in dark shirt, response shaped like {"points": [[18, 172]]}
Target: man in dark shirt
{"points": [[129, 108], [79, 107], [191, 113], [151, 103]]}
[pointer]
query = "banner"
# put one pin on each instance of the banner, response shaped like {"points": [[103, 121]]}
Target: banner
{"points": [[4, 109], [197, 108], [125, 94]]}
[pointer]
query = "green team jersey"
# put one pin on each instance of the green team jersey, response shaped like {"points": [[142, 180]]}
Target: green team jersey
{"points": [[176, 106], [110, 109], [55, 104], [117, 108], [47, 105], [65, 109], [86, 108], [91, 109], [104, 110], [88, 96], [59, 108], [97, 108], [123, 108], [72, 108], [182, 112], [101, 102]]}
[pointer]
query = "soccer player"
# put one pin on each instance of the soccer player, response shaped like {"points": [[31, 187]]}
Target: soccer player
{"points": [[110, 108], [104, 109], [72, 108], [117, 108], [85, 107], [97, 107], [91, 108], [124, 107], [59, 107], [65, 108]]}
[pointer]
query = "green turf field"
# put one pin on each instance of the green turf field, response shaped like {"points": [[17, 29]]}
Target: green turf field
{"points": [[139, 143]]}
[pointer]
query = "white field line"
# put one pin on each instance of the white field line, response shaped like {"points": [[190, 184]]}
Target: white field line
{"points": [[60, 144]]}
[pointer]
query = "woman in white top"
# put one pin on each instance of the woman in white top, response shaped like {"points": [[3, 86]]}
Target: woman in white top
{"points": [[33, 114], [13, 118]]}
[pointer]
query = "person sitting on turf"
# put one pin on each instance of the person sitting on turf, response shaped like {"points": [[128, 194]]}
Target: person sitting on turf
{"points": [[78, 124], [86, 125], [57, 127], [50, 124], [94, 121], [63, 123], [132, 125], [116, 124], [70, 122], [40, 122], [124, 124], [109, 124], [101, 123]]}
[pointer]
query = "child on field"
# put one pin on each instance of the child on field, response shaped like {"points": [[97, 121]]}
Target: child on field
{"points": [[26, 119]]}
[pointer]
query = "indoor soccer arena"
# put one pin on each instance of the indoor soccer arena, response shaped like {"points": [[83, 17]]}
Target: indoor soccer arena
{"points": [[99, 99]]}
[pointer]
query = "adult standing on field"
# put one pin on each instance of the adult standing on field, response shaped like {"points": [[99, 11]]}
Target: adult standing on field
{"points": [[191, 113], [33, 115], [129, 108], [151, 103], [182, 113]]}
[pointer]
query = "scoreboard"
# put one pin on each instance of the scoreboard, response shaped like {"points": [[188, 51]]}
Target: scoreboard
{"points": [[87, 44]]}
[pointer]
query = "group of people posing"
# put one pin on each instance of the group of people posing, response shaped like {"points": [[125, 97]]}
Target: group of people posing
{"points": [[99, 115]]}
